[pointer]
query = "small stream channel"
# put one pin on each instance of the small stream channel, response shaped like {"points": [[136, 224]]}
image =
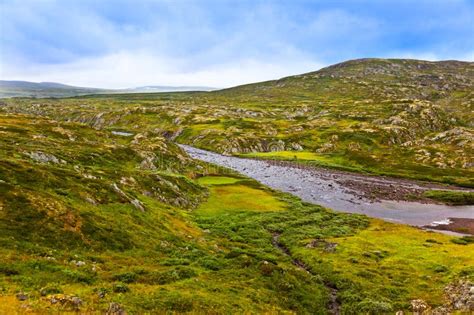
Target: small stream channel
{"points": [[317, 187]]}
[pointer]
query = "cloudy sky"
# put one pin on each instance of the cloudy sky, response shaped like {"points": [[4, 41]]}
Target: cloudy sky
{"points": [[120, 43]]}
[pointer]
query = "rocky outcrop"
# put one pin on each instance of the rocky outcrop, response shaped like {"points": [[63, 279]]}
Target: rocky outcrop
{"points": [[43, 157], [135, 202], [459, 297]]}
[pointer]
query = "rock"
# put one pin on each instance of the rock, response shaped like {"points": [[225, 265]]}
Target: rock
{"points": [[441, 310], [89, 176], [90, 200], [76, 302], [419, 306], [42, 157], [129, 181], [115, 309], [325, 245], [22, 296], [327, 147], [120, 192], [460, 295], [354, 146], [101, 294], [49, 290], [296, 146], [276, 146], [80, 263], [138, 138], [65, 132], [138, 205], [148, 163], [68, 302]]}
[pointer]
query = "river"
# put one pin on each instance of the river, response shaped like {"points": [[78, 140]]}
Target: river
{"points": [[324, 188]]}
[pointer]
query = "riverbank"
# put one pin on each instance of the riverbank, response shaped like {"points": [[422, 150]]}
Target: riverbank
{"points": [[379, 187], [379, 197]]}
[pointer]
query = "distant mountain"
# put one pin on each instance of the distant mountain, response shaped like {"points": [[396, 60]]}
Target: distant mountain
{"points": [[158, 88], [43, 89], [34, 85], [52, 89]]}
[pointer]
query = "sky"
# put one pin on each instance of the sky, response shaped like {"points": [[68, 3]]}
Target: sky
{"points": [[220, 43]]}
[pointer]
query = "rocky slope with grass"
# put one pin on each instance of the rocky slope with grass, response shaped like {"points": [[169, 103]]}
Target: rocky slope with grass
{"points": [[100, 210], [398, 117]]}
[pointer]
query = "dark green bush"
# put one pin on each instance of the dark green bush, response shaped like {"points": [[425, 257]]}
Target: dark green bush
{"points": [[127, 277], [120, 288]]}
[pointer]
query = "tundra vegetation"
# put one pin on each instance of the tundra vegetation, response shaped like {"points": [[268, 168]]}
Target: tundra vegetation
{"points": [[100, 210]]}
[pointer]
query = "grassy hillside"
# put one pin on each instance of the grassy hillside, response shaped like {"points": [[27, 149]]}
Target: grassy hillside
{"points": [[100, 210], [85, 223], [400, 117]]}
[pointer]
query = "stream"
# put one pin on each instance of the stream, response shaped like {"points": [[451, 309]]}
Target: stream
{"points": [[324, 187]]}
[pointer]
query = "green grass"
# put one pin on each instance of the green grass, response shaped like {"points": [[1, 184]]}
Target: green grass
{"points": [[372, 266], [451, 197], [381, 260], [217, 257], [218, 180], [227, 197]]}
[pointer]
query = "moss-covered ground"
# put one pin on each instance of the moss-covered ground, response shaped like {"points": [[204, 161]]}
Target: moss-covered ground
{"points": [[451, 197]]}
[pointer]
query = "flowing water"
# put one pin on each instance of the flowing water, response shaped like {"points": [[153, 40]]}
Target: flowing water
{"points": [[323, 188]]}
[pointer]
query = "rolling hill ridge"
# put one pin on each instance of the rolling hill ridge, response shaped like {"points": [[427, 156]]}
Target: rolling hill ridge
{"points": [[51, 89]]}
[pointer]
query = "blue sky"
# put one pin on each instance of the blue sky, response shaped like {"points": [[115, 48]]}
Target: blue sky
{"points": [[219, 43]]}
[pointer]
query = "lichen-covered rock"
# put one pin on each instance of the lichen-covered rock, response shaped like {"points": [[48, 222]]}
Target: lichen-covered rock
{"points": [[419, 306], [460, 296], [42, 157], [67, 302], [115, 309]]}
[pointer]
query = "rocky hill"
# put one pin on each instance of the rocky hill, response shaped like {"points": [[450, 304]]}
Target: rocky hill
{"points": [[400, 117]]}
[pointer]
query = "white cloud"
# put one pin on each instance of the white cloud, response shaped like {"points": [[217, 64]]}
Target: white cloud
{"points": [[131, 43]]}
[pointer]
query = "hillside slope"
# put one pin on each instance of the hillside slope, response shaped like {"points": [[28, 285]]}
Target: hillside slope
{"points": [[406, 118], [95, 221], [101, 211]]}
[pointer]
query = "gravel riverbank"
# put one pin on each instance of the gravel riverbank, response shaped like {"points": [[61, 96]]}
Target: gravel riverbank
{"points": [[343, 191]]}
